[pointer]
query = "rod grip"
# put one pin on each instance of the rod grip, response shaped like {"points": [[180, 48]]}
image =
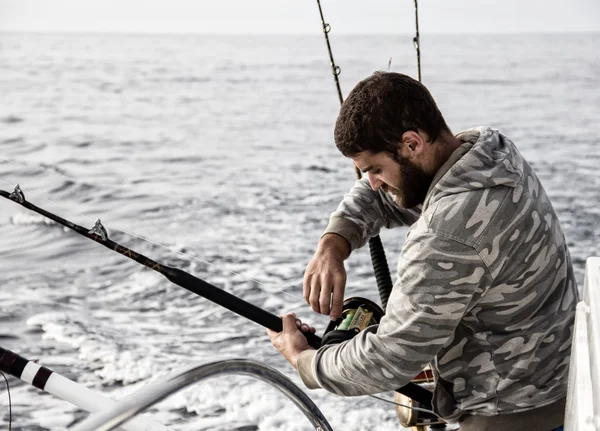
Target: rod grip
{"points": [[381, 269], [313, 339]]}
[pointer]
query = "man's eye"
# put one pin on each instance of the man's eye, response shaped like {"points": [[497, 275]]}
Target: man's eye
{"points": [[377, 171]]}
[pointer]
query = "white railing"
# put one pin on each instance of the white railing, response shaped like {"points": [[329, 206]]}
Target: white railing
{"points": [[583, 399], [154, 392]]}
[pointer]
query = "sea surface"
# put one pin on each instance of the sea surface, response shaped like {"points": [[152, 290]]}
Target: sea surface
{"points": [[215, 154]]}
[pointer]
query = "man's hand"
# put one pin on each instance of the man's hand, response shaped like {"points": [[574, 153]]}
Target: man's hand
{"points": [[291, 342], [325, 276]]}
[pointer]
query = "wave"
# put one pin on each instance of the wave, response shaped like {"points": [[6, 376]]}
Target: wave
{"points": [[488, 82], [320, 169], [11, 119]]}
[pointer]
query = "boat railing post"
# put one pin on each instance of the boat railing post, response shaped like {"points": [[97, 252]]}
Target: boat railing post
{"points": [[583, 396]]}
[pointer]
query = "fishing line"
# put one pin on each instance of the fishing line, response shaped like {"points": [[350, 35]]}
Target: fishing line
{"points": [[9, 402], [265, 287]]}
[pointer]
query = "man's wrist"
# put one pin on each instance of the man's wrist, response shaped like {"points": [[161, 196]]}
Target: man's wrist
{"points": [[348, 230], [295, 355], [336, 244]]}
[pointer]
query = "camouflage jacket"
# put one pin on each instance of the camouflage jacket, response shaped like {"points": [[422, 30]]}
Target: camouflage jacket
{"points": [[485, 291]]}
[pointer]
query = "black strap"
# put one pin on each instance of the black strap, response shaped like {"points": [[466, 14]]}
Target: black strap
{"points": [[41, 377], [12, 363]]}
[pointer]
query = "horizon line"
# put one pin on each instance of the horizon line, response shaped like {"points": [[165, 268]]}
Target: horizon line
{"points": [[317, 33]]}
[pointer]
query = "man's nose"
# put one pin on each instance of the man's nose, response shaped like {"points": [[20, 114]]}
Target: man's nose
{"points": [[375, 182]]}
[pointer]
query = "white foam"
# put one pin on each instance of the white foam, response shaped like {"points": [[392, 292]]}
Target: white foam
{"points": [[30, 218]]}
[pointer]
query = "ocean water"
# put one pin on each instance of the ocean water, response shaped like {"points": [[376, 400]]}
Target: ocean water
{"points": [[219, 150]]}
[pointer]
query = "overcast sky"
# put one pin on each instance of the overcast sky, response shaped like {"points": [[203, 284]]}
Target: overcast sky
{"points": [[299, 16]]}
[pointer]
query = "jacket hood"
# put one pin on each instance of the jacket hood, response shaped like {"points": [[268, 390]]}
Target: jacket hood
{"points": [[489, 159]]}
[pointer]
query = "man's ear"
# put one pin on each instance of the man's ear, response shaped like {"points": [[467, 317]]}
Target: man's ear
{"points": [[412, 144]]}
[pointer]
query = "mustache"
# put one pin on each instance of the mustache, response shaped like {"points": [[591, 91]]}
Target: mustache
{"points": [[388, 189]]}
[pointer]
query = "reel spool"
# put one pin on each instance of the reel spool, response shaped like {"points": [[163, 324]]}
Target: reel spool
{"points": [[357, 314], [417, 420]]}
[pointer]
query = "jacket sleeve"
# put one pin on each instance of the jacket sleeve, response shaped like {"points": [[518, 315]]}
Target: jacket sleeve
{"points": [[363, 213], [439, 280]]}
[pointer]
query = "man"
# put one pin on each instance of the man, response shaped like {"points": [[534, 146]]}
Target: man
{"points": [[485, 290]]}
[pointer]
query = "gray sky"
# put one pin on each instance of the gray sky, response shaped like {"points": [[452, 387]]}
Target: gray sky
{"points": [[299, 16]]}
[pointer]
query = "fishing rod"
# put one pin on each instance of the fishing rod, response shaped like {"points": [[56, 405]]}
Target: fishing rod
{"points": [[417, 40], [65, 389], [192, 283], [380, 265], [336, 70], [181, 278]]}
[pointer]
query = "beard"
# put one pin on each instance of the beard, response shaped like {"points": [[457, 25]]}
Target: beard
{"points": [[414, 184]]}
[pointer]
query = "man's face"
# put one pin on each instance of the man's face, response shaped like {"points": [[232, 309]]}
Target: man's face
{"points": [[407, 182]]}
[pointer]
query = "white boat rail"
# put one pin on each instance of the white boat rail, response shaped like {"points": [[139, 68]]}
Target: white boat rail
{"points": [[157, 391], [583, 398]]}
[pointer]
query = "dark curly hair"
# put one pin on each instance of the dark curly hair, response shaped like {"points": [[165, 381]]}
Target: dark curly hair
{"points": [[380, 109]]}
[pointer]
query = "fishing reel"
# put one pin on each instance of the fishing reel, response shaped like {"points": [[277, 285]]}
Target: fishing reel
{"points": [[357, 314], [411, 414]]}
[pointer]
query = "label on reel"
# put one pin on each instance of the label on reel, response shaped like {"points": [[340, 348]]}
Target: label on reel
{"points": [[361, 319]]}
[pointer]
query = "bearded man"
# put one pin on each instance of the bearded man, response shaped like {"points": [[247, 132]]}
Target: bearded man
{"points": [[485, 291]]}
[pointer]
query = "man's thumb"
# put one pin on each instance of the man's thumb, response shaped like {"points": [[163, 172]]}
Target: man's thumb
{"points": [[289, 323]]}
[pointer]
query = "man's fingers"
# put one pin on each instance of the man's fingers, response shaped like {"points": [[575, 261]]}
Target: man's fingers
{"points": [[314, 297], [338, 297], [304, 327], [306, 286], [325, 296], [307, 328]]}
